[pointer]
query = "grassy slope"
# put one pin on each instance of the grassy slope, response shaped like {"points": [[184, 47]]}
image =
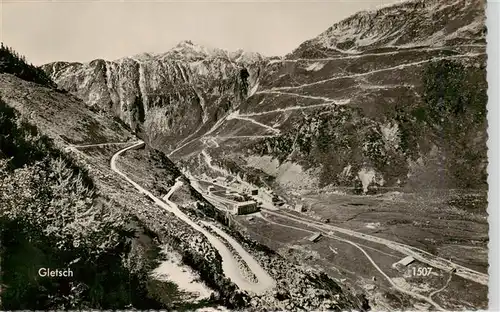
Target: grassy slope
{"points": [[50, 217], [59, 115], [335, 137], [65, 120]]}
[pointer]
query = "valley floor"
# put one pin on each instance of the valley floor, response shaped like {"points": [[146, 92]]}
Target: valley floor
{"points": [[367, 235]]}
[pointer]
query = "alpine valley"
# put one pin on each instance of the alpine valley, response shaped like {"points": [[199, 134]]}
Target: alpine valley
{"points": [[324, 179]]}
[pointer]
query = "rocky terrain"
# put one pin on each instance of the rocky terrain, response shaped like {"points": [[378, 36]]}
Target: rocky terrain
{"points": [[401, 26], [390, 98], [75, 205], [152, 93], [370, 102]]}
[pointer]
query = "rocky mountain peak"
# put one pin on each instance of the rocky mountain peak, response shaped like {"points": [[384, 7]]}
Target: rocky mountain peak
{"points": [[188, 50], [358, 85], [407, 24], [189, 45], [186, 43], [207, 81]]}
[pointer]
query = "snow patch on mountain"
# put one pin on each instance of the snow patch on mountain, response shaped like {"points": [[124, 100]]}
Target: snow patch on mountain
{"points": [[346, 172], [253, 90]]}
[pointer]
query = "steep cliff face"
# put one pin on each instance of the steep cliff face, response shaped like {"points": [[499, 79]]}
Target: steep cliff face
{"points": [[153, 93], [381, 98]]}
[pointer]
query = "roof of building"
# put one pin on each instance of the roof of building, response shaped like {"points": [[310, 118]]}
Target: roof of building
{"points": [[406, 260], [249, 202], [314, 237]]}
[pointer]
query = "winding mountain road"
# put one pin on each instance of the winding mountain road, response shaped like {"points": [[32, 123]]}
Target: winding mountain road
{"points": [[208, 161], [311, 97], [362, 54], [229, 264], [401, 66], [236, 115], [99, 144]]}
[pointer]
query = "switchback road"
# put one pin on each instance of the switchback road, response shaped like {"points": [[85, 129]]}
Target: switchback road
{"points": [[229, 263]]}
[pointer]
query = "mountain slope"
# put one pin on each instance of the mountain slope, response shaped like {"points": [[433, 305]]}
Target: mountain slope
{"points": [[51, 212], [367, 115], [344, 109], [401, 26], [152, 92], [60, 115], [141, 225]]}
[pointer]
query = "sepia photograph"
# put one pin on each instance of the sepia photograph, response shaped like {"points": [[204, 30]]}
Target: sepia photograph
{"points": [[244, 155]]}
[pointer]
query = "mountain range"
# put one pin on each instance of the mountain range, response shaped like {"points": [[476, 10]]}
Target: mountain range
{"points": [[388, 99], [349, 108]]}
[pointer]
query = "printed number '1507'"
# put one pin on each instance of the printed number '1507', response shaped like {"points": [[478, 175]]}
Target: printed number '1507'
{"points": [[421, 271]]}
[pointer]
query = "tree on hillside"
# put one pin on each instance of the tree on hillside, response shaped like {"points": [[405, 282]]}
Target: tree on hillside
{"points": [[454, 97], [13, 63], [51, 218]]}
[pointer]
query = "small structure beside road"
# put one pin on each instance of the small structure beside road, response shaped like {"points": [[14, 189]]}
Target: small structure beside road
{"points": [[401, 264], [299, 208], [221, 180], [406, 260], [315, 237]]}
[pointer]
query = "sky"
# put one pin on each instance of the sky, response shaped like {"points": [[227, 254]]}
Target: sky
{"points": [[46, 30]]}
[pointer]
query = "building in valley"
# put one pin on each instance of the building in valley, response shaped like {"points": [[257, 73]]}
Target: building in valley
{"points": [[315, 237], [220, 180], [245, 207], [210, 189], [300, 208], [403, 263]]}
